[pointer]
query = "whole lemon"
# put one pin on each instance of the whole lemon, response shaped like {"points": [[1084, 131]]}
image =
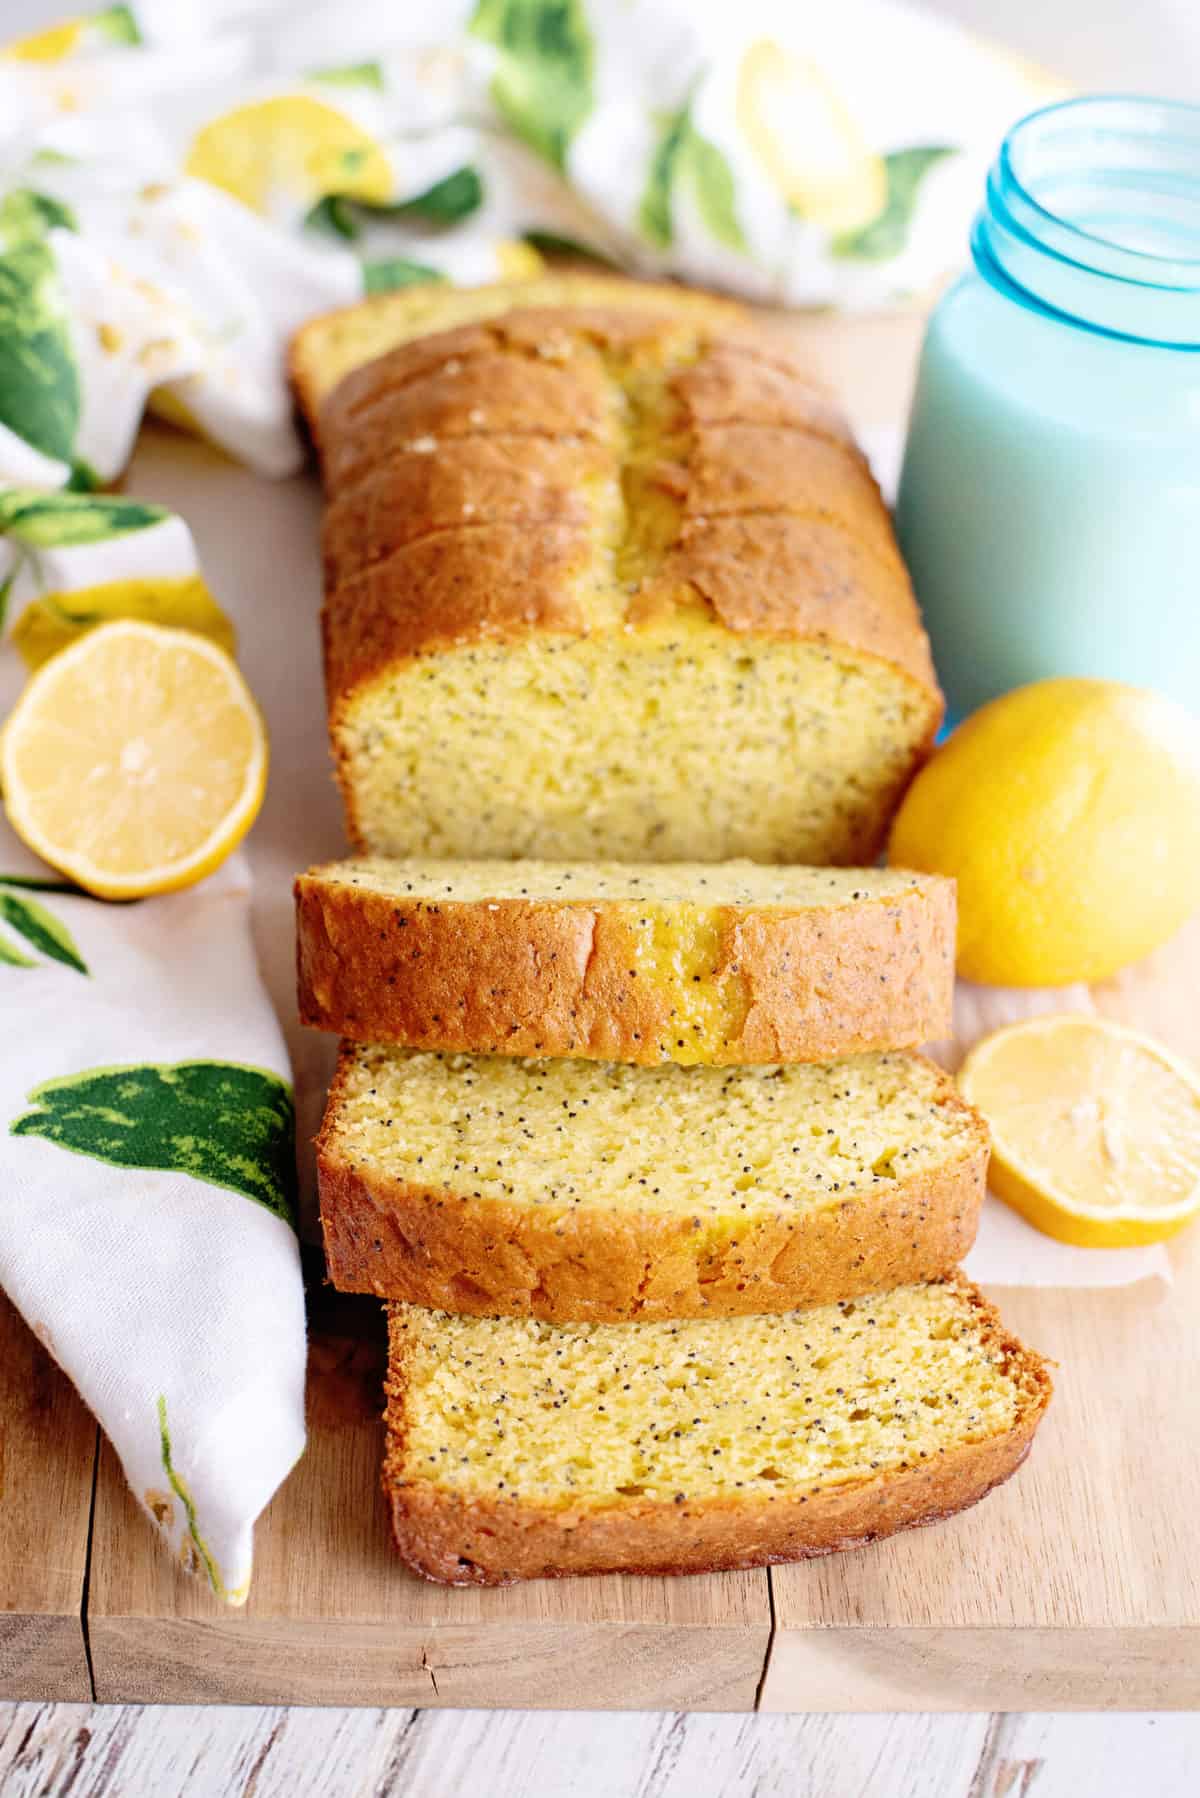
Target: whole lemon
{"points": [[1069, 814]]}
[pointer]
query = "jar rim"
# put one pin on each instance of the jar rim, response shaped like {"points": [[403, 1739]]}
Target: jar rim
{"points": [[1093, 111]]}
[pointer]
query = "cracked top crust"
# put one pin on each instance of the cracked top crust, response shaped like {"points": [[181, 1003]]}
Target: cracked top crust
{"points": [[580, 469]]}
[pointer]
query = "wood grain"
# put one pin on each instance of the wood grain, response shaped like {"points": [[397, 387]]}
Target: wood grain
{"points": [[1077, 1585], [47, 1458], [333, 1618]]}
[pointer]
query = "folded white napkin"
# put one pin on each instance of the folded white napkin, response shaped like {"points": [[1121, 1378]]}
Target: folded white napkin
{"points": [[147, 1163]]}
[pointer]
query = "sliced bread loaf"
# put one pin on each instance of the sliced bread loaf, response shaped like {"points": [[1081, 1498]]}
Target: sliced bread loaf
{"points": [[519, 1450], [703, 963], [594, 1190], [606, 576]]}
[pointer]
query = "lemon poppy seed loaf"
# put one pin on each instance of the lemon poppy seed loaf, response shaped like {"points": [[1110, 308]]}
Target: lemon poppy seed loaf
{"points": [[599, 1191], [518, 1450], [606, 579], [697, 963]]}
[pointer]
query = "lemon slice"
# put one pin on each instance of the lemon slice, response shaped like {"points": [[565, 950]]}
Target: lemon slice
{"points": [[1095, 1129], [135, 760], [810, 147], [292, 148]]}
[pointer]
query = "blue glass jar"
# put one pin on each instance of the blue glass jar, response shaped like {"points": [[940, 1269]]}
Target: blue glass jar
{"points": [[1049, 503]]}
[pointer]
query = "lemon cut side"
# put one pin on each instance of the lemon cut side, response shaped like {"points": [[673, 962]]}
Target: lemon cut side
{"points": [[1095, 1129], [135, 761]]}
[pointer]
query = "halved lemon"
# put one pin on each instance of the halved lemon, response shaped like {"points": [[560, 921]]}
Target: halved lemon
{"points": [[1095, 1129], [812, 150], [135, 761], [293, 149]]}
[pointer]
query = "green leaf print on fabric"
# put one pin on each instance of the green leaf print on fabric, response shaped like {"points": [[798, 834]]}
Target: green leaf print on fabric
{"points": [[713, 185], [682, 153], [654, 213], [37, 883], [11, 957], [118, 25], [84, 478], [553, 243], [447, 201], [887, 233], [351, 74], [335, 214], [40, 928], [390, 272], [26, 213], [217, 1121], [6, 587], [179, 1487], [543, 84], [60, 520], [39, 383]]}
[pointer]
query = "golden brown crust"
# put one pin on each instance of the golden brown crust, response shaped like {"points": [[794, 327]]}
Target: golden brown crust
{"points": [[772, 518], [449, 1251], [732, 386], [485, 396], [496, 583], [488, 1258], [454, 1539], [730, 469], [769, 574], [552, 977], [470, 481], [325, 349]]}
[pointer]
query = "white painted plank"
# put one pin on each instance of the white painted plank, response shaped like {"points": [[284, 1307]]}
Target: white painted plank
{"points": [[1109, 1755], [173, 1752], [77, 1751]]}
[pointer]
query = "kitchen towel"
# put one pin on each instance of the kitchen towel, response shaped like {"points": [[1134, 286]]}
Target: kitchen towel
{"points": [[181, 185], [147, 1160], [147, 1148]]}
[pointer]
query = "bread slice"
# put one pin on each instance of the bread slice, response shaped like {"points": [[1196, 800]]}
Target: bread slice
{"points": [[518, 1450], [704, 963], [606, 578], [593, 1190]]}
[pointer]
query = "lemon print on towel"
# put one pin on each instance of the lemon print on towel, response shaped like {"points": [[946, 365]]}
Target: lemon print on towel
{"points": [[281, 155], [807, 142], [217, 1121], [113, 27], [71, 561]]}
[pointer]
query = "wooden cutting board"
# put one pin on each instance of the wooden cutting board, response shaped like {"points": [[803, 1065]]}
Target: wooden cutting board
{"points": [[1075, 1586]]}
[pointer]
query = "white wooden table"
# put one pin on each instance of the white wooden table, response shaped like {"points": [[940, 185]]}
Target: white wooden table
{"points": [[101, 1752], [110, 1752]]}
